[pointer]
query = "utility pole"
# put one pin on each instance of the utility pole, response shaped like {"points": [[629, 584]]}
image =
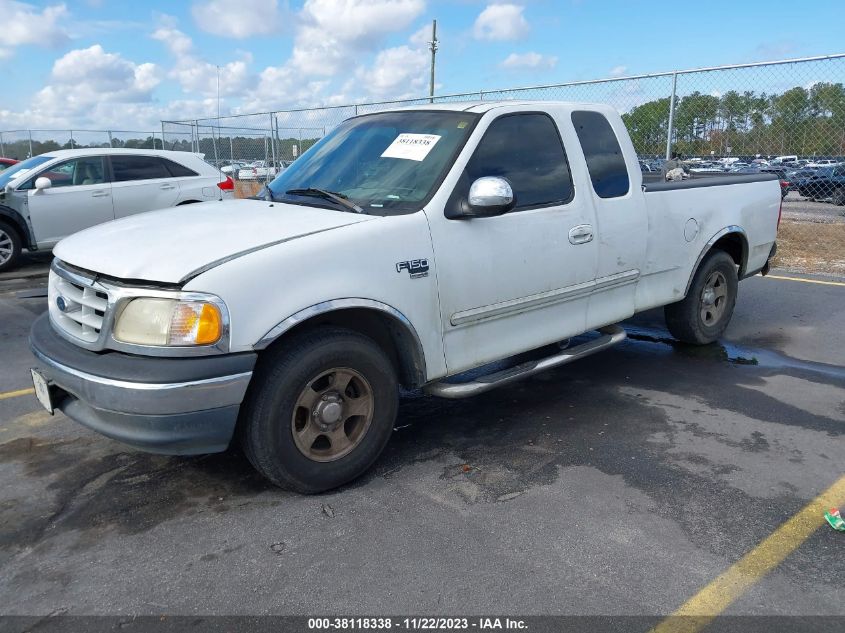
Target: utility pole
{"points": [[432, 45]]}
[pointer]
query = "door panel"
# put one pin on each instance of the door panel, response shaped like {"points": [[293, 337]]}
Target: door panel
{"points": [[516, 281], [141, 183], [80, 197], [621, 225]]}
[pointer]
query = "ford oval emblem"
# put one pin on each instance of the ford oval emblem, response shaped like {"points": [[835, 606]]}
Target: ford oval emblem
{"points": [[61, 304]]}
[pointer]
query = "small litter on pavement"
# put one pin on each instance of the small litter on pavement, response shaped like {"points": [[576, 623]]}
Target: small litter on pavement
{"points": [[835, 519]]}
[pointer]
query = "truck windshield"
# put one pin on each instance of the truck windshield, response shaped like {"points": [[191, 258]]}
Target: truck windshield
{"points": [[386, 163], [19, 169]]}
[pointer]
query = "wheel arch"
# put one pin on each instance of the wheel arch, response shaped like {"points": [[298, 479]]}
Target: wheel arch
{"points": [[731, 239], [386, 325], [17, 221]]}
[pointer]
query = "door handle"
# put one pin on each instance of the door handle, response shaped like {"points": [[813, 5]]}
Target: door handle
{"points": [[99, 194], [581, 234], [168, 187]]}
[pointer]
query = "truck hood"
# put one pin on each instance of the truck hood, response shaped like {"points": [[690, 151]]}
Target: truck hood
{"points": [[173, 245]]}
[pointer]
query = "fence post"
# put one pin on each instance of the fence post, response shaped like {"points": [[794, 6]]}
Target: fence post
{"points": [[30, 143], [671, 126], [112, 144], [2, 149], [216, 159], [481, 95], [273, 134], [71, 138], [162, 135]]}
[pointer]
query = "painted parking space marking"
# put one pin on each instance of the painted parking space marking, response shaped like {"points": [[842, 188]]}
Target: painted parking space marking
{"points": [[15, 394], [805, 280], [697, 612]]}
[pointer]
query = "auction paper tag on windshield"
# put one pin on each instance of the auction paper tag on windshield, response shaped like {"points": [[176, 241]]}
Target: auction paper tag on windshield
{"points": [[411, 146]]}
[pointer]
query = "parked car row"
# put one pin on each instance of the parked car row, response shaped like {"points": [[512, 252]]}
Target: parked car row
{"points": [[48, 197], [253, 170], [825, 182]]}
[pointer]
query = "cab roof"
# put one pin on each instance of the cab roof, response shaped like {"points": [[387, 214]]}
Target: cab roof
{"points": [[485, 106]]}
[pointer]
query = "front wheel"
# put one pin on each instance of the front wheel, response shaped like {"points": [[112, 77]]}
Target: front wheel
{"points": [[320, 409], [702, 316], [839, 196], [10, 247]]}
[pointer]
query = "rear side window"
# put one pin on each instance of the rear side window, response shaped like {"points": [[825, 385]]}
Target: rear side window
{"points": [[604, 156], [138, 168], [526, 150], [178, 171]]}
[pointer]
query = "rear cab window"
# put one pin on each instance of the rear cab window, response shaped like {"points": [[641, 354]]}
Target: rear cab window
{"points": [[605, 162]]}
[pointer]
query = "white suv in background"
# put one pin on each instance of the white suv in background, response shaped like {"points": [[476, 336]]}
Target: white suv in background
{"points": [[51, 196]]}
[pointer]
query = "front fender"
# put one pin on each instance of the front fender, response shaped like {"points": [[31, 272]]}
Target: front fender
{"points": [[20, 223]]}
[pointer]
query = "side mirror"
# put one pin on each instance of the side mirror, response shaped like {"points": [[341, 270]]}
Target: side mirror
{"points": [[43, 183], [489, 196]]}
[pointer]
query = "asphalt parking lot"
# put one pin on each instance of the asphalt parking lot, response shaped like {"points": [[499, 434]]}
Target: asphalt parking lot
{"points": [[622, 484]]}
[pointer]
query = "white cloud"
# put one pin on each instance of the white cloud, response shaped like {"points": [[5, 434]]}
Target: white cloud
{"points": [[27, 24], [87, 83], [397, 73], [333, 32], [331, 39], [422, 36], [339, 56], [501, 22], [618, 71], [239, 20], [196, 75], [531, 60]]}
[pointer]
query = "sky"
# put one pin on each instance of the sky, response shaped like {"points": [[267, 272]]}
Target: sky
{"points": [[101, 64]]}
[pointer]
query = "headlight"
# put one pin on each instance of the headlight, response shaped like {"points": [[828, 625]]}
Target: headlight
{"points": [[169, 322]]}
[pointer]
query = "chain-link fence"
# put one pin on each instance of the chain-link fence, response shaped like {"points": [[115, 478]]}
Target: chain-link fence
{"points": [[21, 144], [785, 116]]}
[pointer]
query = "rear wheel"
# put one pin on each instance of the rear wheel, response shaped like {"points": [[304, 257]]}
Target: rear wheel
{"points": [[10, 247], [320, 410], [839, 196], [702, 316]]}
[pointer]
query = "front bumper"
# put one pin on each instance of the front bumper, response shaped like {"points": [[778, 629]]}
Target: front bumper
{"points": [[177, 406]]}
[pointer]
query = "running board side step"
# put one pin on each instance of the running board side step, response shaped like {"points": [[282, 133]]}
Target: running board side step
{"points": [[611, 335]]}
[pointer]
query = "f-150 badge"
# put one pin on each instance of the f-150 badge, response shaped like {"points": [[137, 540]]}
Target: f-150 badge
{"points": [[416, 267]]}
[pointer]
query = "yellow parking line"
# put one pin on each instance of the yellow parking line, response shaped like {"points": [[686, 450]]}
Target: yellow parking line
{"points": [[15, 394], [809, 281], [713, 599]]}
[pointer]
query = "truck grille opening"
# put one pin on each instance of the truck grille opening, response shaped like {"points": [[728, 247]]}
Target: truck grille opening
{"points": [[77, 309]]}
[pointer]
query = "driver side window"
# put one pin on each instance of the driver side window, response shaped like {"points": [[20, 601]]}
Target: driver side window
{"points": [[527, 151], [87, 170]]}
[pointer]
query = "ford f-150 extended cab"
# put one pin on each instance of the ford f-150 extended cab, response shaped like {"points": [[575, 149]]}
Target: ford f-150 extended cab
{"points": [[405, 248]]}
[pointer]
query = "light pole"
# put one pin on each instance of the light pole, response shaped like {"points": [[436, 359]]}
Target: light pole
{"points": [[432, 45]]}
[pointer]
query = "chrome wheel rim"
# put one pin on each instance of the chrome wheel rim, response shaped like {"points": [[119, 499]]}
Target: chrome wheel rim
{"points": [[332, 414], [7, 248], [714, 298]]}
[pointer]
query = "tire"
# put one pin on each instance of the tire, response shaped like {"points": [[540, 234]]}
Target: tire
{"points": [[10, 246], [276, 428], [839, 196], [689, 320]]}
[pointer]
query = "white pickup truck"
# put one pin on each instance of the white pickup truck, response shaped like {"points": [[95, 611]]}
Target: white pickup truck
{"points": [[404, 249]]}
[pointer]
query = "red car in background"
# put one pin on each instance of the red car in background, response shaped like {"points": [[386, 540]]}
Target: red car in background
{"points": [[5, 163]]}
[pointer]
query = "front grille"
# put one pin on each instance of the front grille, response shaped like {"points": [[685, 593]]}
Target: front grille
{"points": [[76, 306]]}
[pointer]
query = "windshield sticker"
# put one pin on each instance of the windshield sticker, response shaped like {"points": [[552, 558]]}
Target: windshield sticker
{"points": [[411, 146], [462, 125]]}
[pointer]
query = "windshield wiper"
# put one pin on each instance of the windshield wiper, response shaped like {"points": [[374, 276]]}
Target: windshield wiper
{"points": [[328, 195]]}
